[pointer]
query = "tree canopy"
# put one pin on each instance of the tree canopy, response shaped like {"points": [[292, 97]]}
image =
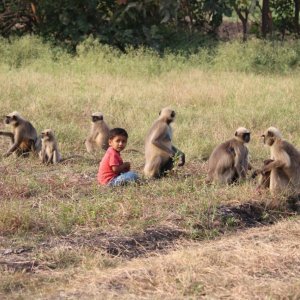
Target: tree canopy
{"points": [[144, 22]]}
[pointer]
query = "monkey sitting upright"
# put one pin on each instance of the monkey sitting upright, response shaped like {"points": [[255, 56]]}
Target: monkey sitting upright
{"points": [[23, 137], [159, 150], [49, 153], [228, 162], [285, 166], [98, 137]]}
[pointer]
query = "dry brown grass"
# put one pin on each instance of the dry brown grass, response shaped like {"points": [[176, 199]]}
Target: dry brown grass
{"points": [[262, 263]]}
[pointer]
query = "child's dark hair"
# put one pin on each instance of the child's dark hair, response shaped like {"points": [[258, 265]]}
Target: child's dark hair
{"points": [[117, 131]]}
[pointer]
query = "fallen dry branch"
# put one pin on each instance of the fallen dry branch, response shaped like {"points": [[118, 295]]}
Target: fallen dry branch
{"points": [[20, 266]]}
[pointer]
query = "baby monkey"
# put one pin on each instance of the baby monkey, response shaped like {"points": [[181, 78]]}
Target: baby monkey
{"points": [[49, 153]]}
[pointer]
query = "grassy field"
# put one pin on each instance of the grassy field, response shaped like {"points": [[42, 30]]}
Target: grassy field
{"points": [[63, 236]]}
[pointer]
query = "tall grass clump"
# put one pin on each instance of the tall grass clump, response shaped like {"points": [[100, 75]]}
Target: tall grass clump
{"points": [[135, 61], [20, 52], [257, 56], [254, 56], [91, 56]]}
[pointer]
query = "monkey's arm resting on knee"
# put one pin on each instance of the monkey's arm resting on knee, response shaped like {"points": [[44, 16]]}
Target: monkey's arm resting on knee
{"points": [[50, 159], [156, 142], [42, 155], [89, 144], [12, 149], [8, 134], [240, 169], [18, 138], [274, 165], [260, 171], [282, 161], [159, 138]]}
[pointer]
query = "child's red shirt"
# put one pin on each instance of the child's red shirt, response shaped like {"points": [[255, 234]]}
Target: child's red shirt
{"points": [[105, 173]]}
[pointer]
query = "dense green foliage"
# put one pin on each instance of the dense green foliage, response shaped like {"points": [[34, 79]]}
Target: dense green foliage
{"points": [[283, 9], [147, 22]]}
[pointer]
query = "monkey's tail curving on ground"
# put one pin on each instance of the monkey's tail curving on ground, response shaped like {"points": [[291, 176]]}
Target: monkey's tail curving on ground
{"points": [[133, 150], [72, 157]]}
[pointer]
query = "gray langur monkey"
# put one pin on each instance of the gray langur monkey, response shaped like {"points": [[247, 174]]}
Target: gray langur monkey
{"points": [[160, 153], [23, 137], [284, 168], [98, 137], [228, 162], [49, 153]]}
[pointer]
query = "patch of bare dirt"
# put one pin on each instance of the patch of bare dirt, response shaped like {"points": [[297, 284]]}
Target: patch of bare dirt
{"points": [[149, 241], [253, 214], [232, 218], [246, 215]]}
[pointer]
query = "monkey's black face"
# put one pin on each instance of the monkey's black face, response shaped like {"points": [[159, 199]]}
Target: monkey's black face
{"points": [[7, 120], [97, 118], [172, 117], [45, 135], [268, 140], [246, 137], [10, 120]]}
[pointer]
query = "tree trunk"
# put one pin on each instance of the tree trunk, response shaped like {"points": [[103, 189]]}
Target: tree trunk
{"points": [[265, 22], [244, 20], [296, 17], [245, 30], [190, 14]]}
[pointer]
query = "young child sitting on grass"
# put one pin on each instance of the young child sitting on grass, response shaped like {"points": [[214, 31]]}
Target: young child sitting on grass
{"points": [[112, 170]]}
